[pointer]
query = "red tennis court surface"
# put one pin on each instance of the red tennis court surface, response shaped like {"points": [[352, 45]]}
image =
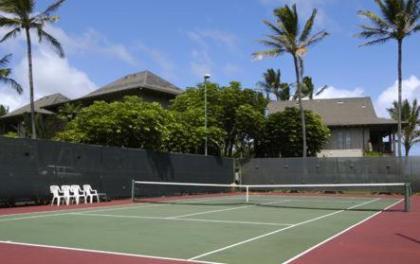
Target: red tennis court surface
{"points": [[389, 237]]}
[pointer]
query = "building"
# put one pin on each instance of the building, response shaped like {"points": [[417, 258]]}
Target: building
{"points": [[145, 84], [19, 120], [355, 127]]}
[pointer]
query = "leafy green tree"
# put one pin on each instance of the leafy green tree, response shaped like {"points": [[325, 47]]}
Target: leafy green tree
{"points": [[272, 85], [288, 38], [6, 72], [3, 110], [68, 112], [397, 20], [129, 123], [19, 15], [282, 137], [225, 106], [410, 114], [186, 133]]}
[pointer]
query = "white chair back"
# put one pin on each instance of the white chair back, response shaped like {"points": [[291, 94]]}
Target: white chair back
{"points": [[66, 190], [55, 190], [87, 188], [75, 189]]}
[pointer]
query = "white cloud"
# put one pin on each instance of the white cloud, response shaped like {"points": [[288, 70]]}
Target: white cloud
{"points": [[51, 75], [92, 41], [11, 99], [332, 92], [410, 91]]}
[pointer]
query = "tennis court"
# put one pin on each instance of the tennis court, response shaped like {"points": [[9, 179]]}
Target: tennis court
{"points": [[272, 227]]}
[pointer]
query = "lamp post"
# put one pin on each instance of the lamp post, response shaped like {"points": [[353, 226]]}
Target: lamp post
{"points": [[206, 77]]}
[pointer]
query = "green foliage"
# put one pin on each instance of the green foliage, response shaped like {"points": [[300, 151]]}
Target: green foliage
{"points": [[129, 123], [272, 85], [6, 72], [3, 110], [410, 114], [282, 135], [231, 109], [373, 154], [68, 112], [397, 20], [10, 134]]}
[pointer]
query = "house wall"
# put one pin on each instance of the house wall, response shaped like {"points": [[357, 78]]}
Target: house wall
{"points": [[346, 142]]}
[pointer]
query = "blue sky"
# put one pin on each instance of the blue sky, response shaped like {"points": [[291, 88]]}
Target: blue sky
{"points": [[181, 40]]}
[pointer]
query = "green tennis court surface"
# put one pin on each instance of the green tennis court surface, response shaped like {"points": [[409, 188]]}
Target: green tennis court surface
{"points": [[222, 229]]}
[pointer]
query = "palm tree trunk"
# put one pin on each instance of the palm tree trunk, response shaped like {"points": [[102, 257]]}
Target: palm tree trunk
{"points": [[302, 113], [399, 94], [31, 82]]}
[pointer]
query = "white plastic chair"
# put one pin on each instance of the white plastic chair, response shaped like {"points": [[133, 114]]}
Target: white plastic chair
{"points": [[57, 194], [68, 196], [90, 193], [78, 193]]}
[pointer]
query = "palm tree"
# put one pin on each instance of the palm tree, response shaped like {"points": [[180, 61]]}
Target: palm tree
{"points": [[6, 72], [397, 20], [288, 37], [19, 16], [272, 85], [410, 114], [308, 89]]}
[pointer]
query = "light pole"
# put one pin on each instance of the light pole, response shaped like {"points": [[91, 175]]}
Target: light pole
{"points": [[206, 77]]}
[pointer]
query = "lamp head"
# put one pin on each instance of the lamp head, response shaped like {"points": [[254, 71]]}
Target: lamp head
{"points": [[207, 76]]}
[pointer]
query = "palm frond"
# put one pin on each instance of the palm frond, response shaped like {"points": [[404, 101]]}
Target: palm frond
{"points": [[52, 8], [56, 45], [267, 53], [273, 27], [375, 19], [9, 22], [10, 34], [315, 38], [15, 85], [308, 26], [5, 60], [376, 41]]}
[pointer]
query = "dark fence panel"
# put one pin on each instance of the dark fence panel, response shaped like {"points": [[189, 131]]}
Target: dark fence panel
{"points": [[331, 170], [29, 167]]}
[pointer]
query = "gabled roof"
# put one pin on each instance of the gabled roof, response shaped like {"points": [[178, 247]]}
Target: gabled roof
{"points": [[338, 111], [39, 104], [144, 79]]}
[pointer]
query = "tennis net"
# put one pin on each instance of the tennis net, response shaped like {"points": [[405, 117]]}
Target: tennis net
{"points": [[354, 196]]}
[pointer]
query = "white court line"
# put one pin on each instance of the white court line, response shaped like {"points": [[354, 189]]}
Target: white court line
{"points": [[35, 215], [208, 212], [185, 219], [72, 212], [106, 252], [223, 210], [340, 233], [280, 230]]}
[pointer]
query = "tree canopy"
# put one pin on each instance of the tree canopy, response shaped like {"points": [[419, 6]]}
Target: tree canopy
{"points": [[281, 135]]}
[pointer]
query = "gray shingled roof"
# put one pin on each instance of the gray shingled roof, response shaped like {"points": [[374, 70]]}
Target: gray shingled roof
{"points": [[144, 79], [42, 102], [338, 112]]}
